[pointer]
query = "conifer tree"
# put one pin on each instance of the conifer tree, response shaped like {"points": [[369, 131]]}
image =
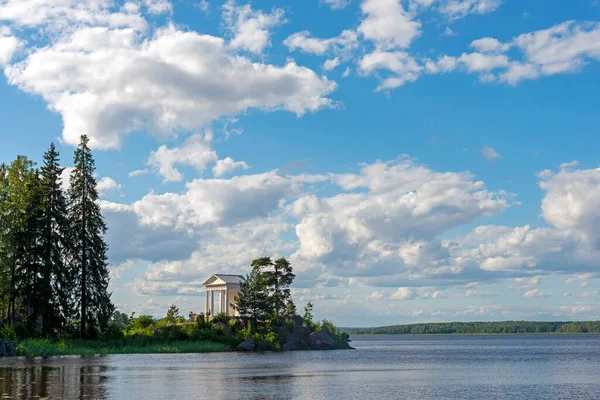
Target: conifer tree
{"points": [[280, 279], [55, 288], [253, 301], [90, 250]]}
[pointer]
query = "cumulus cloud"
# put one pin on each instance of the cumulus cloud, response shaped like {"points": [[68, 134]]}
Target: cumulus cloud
{"points": [[387, 24], [341, 45], [226, 165], [107, 185], [196, 152], [250, 28], [9, 45], [58, 16], [174, 80], [404, 68]]}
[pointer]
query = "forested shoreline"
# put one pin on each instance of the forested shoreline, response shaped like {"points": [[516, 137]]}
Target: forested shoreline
{"points": [[53, 258], [473, 328]]}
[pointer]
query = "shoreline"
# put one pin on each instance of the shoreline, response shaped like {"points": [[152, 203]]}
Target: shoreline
{"points": [[476, 334]]}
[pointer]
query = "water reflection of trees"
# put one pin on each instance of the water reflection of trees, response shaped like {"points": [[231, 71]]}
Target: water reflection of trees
{"points": [[53, 382]]}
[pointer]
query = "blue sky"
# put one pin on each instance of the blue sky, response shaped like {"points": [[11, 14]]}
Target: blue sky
{"points": [[421, 160]]}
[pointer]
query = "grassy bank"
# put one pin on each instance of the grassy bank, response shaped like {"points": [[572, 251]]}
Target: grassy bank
{"points": [[42, 348]]}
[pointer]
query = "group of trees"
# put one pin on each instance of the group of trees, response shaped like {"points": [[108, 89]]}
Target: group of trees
{"points": [[265, 294], [53, 258], [504, 327]]}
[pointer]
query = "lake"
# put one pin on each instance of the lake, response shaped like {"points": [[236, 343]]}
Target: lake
{"points": [[384, 367]]}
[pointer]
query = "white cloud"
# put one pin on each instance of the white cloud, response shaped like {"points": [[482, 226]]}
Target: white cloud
{"points": [[65, 15], [490, 153], [404, 68], [403, 293], [331, 64], [456, 9], [195, 152], [138, 172], [216, 201], [107, 185], [489, 45], [204, 5], [347, 72], [158, 6], [475, 293], [583, 279], [341, 45], [387, 24], [250, 29], [9, 45], [337, 4], [223, 167], [449, 32], [537, 293], [172, 81]]}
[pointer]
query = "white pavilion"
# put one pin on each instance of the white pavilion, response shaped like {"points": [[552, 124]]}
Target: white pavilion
{"points": [[228, 286]]}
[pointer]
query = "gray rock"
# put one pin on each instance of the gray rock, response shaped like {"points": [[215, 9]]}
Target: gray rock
{"points": [[246, 345], [321, 340], [297, 320], [292, 342], [8, 348], [264, 345]]}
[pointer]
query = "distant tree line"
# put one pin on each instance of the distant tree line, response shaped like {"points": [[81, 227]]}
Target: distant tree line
{"points": [[53, 258], [504, 327]]}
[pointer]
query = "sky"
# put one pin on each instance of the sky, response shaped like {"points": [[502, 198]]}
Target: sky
{"points": [[415, 160]]}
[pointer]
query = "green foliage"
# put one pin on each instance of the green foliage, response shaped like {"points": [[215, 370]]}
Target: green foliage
{"points": [[253, 302], [7, 333], [308, 316], [172, 314], [89, 258], [505, 327], [220, 317]]}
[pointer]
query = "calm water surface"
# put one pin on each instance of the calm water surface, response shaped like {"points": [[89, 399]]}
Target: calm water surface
{"points": [[390, 367]]}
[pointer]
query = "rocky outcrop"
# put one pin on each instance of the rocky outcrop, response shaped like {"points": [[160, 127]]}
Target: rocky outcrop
{"points": [[8, 348], [321, 340], [246, 345], [291, 342]]}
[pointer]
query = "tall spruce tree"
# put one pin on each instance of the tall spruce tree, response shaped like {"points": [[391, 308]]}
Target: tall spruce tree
{"points": [[28, 280], [56, 280], [90, 250]]}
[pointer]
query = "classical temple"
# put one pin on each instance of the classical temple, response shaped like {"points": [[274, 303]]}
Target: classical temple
{"points": [[228, 287]]}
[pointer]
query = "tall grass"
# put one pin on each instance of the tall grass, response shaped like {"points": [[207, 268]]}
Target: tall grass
{"points": [[42, 348]]}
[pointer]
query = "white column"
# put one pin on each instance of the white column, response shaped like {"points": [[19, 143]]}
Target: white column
{"points": [[226, 302], [206, 308], [222, 301], [212, 303]]}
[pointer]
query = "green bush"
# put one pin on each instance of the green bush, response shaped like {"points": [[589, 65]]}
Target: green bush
{"points": [[7, 333]]}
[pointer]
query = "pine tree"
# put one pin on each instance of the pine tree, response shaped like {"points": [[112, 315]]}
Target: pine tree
{"points": [[253, 302], [90, 249], [280, 279], [55, 288]]}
